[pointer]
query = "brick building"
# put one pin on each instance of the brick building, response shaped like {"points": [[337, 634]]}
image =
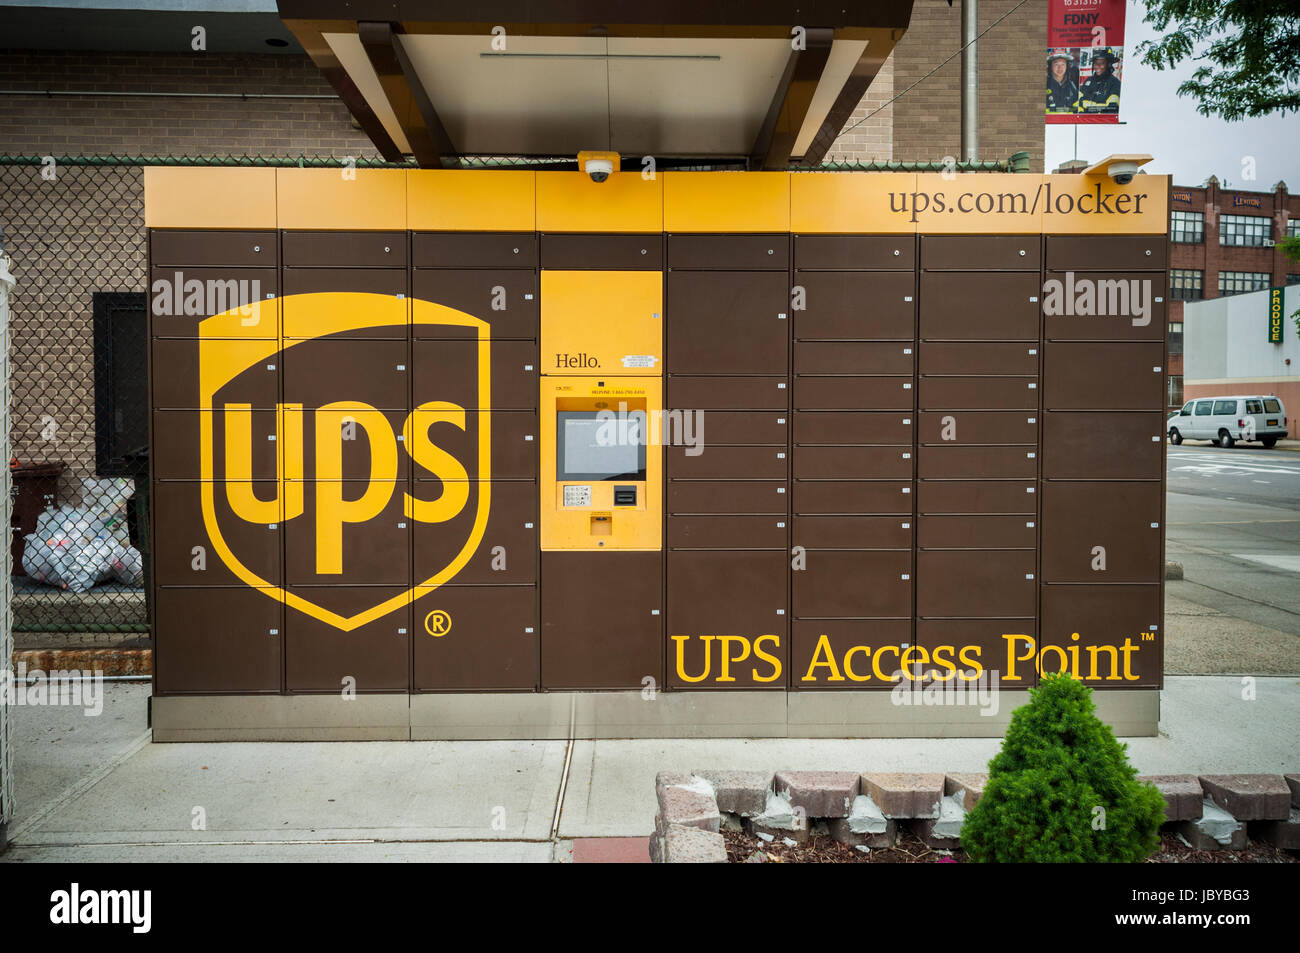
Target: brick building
{"points": [[1224, 242]]}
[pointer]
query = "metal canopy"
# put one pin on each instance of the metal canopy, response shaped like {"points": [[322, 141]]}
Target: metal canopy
{"points": [[766, 84]]}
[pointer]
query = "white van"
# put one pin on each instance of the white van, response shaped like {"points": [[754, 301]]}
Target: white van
{"points": [[1225, 420]]}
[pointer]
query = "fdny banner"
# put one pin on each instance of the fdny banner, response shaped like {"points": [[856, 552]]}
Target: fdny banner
{"points": [[1085, 60]]}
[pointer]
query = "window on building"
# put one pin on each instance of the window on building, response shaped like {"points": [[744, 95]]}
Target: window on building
{"points": [[1293, 228], [1244, 229], [1185, 284], [1240, 282], [1175, 339], [121, 398], [1293, 279], [1187, 227]]}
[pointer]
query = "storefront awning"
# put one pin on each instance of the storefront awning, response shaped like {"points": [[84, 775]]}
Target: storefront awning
{"points": [[767, 84]]}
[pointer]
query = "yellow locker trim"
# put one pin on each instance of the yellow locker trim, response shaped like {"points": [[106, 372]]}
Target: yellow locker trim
{"points": [[726, 201], [209, 198], [605, 316], [1152, 190], [471, 200], [849, 202], [323, 198], [625, 202]]}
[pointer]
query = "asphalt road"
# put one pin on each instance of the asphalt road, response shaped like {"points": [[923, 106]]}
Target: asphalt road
{"points": [[1233, 521]]}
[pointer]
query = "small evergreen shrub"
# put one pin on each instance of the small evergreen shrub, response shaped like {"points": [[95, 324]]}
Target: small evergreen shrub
{"points": [[1058, 764]]}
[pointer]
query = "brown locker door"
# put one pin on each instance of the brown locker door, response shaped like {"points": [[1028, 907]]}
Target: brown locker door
{"points": [[1121, 518], [506, 300], [371, 553], [853, 393], [751, 427], [838, 427], [966, 306], [978, 393], [990, 583], [727, 463], [176, 378], [977, 496], [852, 532], [983, 645], [359, 442], [168, 247], [972, 358], [852, 357], [741, 595], [1087, 446], [980, 252], [344, 368], [1105, 252], [388, 284], [727, 532], [728, 322], [1121, 625], [728, 393], [687, 497], [1127, 306], [853, 463], [507, 553], [513, 438], [602, 252], [476, 638], [177, 438], [855, 252], [966, 427], [832, 498], [729, 252], [601, 626], [847, 653], [448, 371], [840, 584], [374, 657], [216, 641], [1103, 375], [345, 249], [977, 532], [184, 554], [474, 250], [848, 305], [977, 463], [212, 291]]}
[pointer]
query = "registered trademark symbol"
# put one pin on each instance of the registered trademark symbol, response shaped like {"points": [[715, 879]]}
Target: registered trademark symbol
{"points": [[437, 623]]}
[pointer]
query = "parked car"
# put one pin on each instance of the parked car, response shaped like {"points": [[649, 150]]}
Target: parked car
{"points": [[1225, 420]]}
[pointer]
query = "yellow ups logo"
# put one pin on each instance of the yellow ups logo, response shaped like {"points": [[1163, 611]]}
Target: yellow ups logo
{"points": [[356, 452]]}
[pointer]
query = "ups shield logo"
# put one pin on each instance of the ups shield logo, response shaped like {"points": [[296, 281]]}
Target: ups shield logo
{"points": [[369, 437]]}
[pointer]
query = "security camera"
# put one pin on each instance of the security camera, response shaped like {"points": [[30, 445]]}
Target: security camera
{"points": [[1122, 172], [600, 169]]}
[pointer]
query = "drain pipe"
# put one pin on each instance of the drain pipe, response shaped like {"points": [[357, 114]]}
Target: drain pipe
{"points": [[970, 110]]}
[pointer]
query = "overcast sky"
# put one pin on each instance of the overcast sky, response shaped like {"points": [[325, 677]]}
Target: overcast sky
{"points": [[1186, 145]]}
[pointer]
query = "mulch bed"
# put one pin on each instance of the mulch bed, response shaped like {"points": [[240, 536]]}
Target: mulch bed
{"points": [[910, 849]]}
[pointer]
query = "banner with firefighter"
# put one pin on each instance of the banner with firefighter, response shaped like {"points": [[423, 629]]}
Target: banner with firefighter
{"points": [[1085, 60]]}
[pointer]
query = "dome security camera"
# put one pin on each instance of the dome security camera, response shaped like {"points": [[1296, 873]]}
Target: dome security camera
{"points": [[598, 169], [1122, 172]]}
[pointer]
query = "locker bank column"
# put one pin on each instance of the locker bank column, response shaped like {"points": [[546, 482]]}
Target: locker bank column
{"points": [[728, 353], [1104, 459], [978, 427], [217, 512], [601, 470]]}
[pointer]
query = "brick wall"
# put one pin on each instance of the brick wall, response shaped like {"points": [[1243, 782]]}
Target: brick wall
{"points": [[146, 125], [927, 120], [867, 139]]}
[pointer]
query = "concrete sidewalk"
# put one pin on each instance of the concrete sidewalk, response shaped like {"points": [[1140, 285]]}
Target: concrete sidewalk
{"points": [[117, 797]]}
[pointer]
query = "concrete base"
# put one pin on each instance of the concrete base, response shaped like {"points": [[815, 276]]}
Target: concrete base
{"points": [[562, 715]]}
